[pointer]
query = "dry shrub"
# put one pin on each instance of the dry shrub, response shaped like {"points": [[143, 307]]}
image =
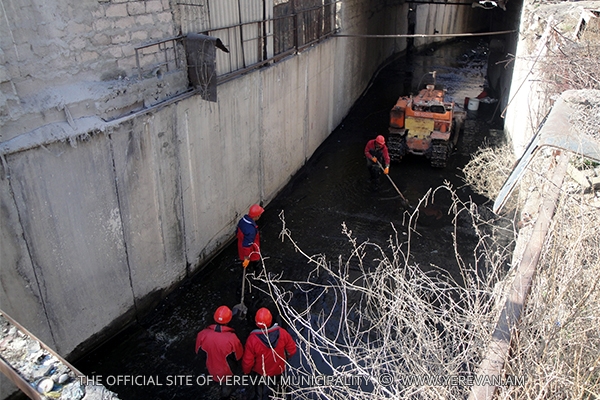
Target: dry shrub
{"points": [[477, 171], [573, 64], [557, 345], [383, 326], [585, 119]]}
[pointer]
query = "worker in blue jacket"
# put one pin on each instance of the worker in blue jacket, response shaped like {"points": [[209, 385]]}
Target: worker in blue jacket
{"points": [[248, 236]]}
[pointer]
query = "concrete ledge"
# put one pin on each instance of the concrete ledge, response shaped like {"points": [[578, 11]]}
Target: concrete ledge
{"points": [[103, 100]]}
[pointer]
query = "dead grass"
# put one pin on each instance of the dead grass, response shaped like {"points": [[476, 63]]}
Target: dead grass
{"points": [[557, 346], [477, 173]]}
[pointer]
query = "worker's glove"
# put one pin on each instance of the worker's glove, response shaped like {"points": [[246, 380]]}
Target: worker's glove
{"points": [[374, 159], [386, 170], [245, 263]]}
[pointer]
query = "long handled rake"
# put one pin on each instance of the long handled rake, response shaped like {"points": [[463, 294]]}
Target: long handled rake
{"points": [[241, 308], [405, 203]]}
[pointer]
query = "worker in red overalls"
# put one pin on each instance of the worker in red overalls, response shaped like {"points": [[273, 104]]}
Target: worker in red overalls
{"points": [[378, 157], [221, 349], [267, 350], [248, 237]]}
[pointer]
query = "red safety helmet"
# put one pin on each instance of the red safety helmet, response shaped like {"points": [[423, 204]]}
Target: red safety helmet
{"points": [[263, 318], [222, 315], [380, 140], [255, 211]]}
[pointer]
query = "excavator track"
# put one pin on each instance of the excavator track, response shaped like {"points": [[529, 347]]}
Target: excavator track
{"points": [[440, 150], [396, 147]]}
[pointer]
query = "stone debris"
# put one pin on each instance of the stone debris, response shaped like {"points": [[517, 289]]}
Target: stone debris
{"points": [[42, 370]]}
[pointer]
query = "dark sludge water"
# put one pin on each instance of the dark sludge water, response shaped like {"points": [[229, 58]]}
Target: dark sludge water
{"points": [[330, 190]]}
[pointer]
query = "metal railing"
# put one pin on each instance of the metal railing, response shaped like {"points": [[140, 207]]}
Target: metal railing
{"points": [[256, 43], [251, 45], [165, 55]]}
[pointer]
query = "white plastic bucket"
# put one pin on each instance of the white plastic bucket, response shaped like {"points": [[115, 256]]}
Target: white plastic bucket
{"points": [[473, 104]]}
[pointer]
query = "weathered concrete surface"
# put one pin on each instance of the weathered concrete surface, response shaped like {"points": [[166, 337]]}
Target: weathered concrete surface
{"points": [[220, 157], [19, 284], [67, 205], [433, 19], [81, 55], [146, 165]]}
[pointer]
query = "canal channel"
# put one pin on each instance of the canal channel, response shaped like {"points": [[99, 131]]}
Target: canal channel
{"points": [[332, 189]]}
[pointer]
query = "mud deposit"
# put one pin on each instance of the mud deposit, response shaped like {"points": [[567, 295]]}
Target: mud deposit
{"points": [[332, 189]]}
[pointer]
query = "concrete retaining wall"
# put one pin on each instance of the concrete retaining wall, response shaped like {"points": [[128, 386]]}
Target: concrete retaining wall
{"points": [[101, 218], [104, 220], [527, 102]]}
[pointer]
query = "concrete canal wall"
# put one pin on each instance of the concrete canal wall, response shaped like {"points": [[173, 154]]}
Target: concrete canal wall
{"points": [[113, 191]]}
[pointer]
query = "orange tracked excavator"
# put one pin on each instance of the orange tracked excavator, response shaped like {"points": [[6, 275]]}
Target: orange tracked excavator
{"points": [[426, 125]]}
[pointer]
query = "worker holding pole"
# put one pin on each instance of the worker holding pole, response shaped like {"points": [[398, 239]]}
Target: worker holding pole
{"points": [[376, 151], [248, 236]]}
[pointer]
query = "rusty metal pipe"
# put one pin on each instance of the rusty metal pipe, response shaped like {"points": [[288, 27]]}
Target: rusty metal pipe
{"points": [[16, 377], [423, 35]]}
